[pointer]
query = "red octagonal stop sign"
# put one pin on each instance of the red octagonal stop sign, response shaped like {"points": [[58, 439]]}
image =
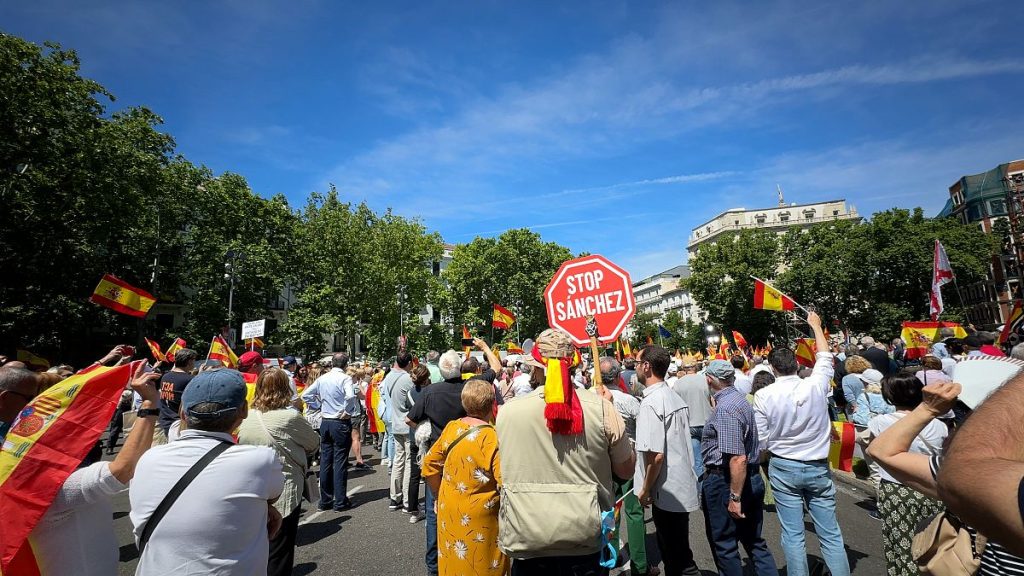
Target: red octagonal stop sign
{"points": [[590, 285]]}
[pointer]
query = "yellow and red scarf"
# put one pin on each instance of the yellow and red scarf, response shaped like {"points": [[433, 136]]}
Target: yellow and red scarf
{"points": [[563, 411]]}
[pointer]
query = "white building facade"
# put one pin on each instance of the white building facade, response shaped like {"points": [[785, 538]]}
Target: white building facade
{"points": [[661, 293]]}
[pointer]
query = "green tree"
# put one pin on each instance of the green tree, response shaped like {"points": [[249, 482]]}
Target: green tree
{"points": [[644, 325], [511, 270]]}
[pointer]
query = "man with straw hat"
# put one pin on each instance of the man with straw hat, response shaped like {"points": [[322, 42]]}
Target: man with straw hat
{"points": [[559, 451]]}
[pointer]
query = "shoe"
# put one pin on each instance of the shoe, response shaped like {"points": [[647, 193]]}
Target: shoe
{"points": [[415, 518], [386, 463], [413, 512], [361, 466], [394, 505], [346, 506], [324, 508]]}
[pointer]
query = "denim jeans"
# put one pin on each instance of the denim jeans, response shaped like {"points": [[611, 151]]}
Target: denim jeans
{"points": [[430, 558], [698, 459], [335, 443], [794, 485], [725, 533]]}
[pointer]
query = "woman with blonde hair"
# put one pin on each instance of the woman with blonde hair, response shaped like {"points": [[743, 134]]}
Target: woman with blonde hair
{"points": [[273, 422], [852, 384], [462, 471]]}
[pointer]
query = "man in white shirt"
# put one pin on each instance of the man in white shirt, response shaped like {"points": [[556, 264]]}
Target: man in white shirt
{"points": [[793, 424], [744, 381], [664, 474], [223, 521], [338, 403]]}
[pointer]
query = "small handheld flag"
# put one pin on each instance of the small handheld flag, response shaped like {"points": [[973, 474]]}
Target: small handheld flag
{"points": [[178, 344], [767, 297], [154, 349], [119, 296], [513, 348], [502, 318], [467, 350], [219, 350], [739, 340]]}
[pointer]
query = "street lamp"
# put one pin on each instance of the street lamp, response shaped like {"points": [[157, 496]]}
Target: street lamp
{"points": [[232, 260]]}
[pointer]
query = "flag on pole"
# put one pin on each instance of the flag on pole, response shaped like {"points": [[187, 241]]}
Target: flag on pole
{"points": [[122, 297], [1014, 323], [739, 340], [805, 349], [466, 336], [663, 332], [219, 350], [767, 297], [178, 344], [627, 351], [502, 318], [154, 349], [46, 443], [919, 336], [942, 273], [514, 348], [255, 343]]}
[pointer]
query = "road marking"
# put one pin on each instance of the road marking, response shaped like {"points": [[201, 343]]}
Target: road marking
{"points": [[320, 513]]}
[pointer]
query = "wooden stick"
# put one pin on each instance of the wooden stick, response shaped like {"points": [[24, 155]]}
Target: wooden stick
{"points": [[592, 332]]}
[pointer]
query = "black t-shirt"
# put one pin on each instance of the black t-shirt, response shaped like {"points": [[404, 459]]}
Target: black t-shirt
{"points": [[879, 360], [440, 404], [172, 384]]}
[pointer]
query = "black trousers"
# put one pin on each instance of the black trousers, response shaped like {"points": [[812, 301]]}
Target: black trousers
{"points": [[412, 498], [282, 546], [115, 429], [589, 565], [673, 532]]}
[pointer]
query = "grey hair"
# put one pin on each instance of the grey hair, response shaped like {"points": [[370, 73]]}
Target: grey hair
{"points": [[1018, 351], [339, 360], [432, 356], [614, 368], [450, 365]]}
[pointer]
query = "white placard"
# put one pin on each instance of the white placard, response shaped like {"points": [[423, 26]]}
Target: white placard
{"points": [[253, 329]]}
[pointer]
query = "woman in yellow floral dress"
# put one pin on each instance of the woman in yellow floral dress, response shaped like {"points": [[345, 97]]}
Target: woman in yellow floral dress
{"points": [[462, 471]]}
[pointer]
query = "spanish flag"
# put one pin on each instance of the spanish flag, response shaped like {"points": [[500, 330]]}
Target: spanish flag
{"points": [[255, 343], [740, 341], [514, 348], [502, 318], [122, 297], [154, 349], [766, 297], [467, 350], [46, 443], [377, 425], [805, 349], [219, 350], [178, 344], [627, 351], [840, 452], [919, 336]]}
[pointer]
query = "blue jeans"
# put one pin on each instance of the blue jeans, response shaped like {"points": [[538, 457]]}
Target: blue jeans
{"points": [[725, 533], [698, 459], [430, 558], [335, 443], [795, 484]]}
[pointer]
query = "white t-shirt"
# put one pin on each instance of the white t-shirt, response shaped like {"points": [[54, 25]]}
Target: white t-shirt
{"points": [[521, 385], [928, 442], [219, 524], [743, 382], [76, 535]]}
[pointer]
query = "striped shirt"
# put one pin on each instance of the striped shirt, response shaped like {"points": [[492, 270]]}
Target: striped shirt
{"points": [[995, 560]]}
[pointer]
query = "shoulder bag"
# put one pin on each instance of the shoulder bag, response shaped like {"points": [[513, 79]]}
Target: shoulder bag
{"points": [[944, 547], [179, 487]]}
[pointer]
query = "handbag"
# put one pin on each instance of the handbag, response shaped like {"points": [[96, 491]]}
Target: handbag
{"points": [[944, 547], [311, 483]]}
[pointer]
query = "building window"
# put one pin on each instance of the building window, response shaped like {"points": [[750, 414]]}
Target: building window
{"points": [[784, 217], [835, 212], [736, 222], [760, 218], [997, 207], [809, 214], [974, 212]]}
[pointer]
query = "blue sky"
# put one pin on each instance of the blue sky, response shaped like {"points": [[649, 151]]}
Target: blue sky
{"points": [[611, 127]]}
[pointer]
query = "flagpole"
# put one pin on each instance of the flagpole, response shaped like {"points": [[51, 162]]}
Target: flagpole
{"points": [[795, 303]]}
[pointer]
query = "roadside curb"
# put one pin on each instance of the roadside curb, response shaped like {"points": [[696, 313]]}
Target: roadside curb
{"points": [[851, 479]]}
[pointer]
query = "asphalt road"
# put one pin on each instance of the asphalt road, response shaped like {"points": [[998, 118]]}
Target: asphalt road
{"points": [[370, 540]]}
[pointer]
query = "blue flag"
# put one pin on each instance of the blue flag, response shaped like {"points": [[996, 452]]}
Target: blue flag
{"points": [[663, 332]]}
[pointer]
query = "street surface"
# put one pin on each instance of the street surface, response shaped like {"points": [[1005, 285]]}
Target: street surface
{"points": [[371, 540]]}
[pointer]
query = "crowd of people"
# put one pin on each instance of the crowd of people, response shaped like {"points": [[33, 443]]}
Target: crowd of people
{"points": [[530, 466]]}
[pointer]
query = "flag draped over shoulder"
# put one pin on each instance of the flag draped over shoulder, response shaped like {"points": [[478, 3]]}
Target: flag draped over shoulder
{"points": [[46, 443], [219, 350], [767, 297], [122, 297], [502, 318], [919, 336]]}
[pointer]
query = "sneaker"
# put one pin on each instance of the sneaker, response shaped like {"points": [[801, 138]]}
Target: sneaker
{"points": [[346, 506], [413, 512], [394, 504], [415, 518], [386, 463], [361, 466]]}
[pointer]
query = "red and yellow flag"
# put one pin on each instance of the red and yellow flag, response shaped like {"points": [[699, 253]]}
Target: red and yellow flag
{"points": [[219, 350], [502, 318], [840, 452], [1013, 323], [33, 361], [919, 336], [46, 443], [805, 349], [467, 350], [122, 297], [255, 344], [178, 344], [154, 349], [514, 348], [766, 297], [740, 341]]}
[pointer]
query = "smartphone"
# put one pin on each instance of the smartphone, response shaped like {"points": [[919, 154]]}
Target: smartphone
{"points": [[128, 351], [467, 341]]}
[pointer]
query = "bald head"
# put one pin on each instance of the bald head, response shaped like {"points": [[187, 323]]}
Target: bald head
{"points": [[18, 387]]}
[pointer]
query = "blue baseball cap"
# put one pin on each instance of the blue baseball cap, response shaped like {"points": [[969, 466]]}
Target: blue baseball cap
{"points": [[289, 360], [223, 387]]}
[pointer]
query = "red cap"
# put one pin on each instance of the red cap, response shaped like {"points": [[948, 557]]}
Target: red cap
{"points": [[250, 359]]}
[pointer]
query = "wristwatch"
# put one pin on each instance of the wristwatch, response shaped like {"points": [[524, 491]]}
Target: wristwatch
{"points": [[735, 497], [143, 412]]}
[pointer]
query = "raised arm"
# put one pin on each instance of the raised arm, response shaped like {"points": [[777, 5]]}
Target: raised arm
{"points": [[492, 358], [983, 469], [141, 436], [892, 447]]}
